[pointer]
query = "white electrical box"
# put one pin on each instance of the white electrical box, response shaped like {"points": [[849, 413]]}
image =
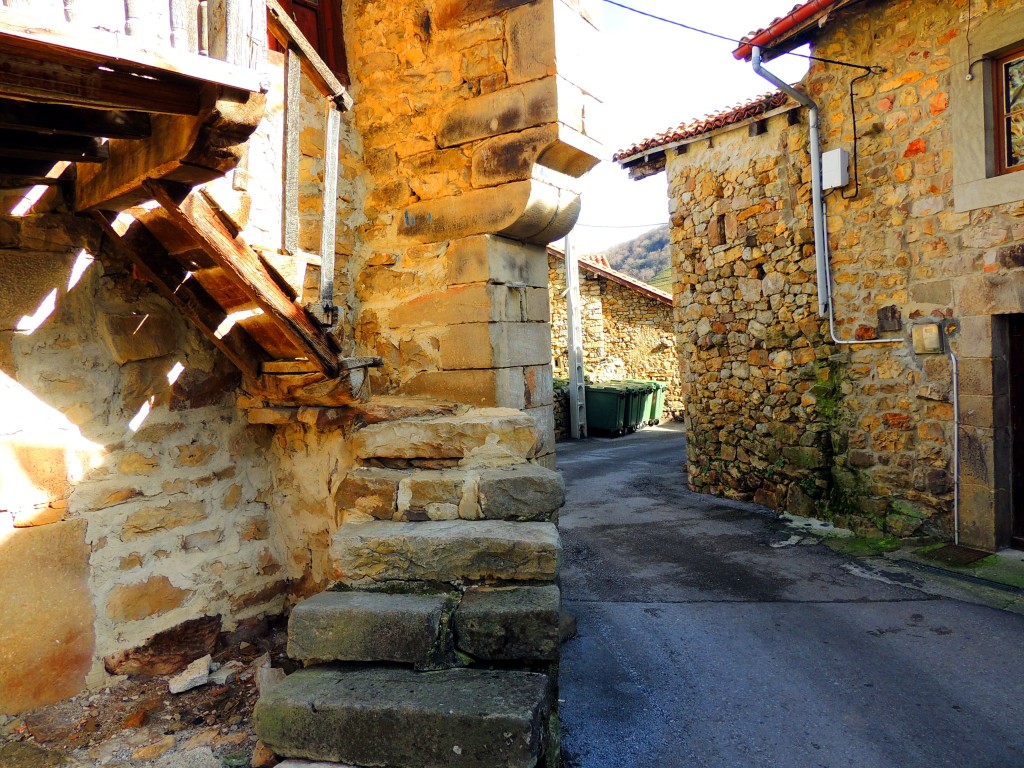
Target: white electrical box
{"points": [[835, 169], [927, 338]]}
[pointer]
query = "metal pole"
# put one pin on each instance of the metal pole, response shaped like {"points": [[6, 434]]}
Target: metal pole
{"points": [[574, 323]]}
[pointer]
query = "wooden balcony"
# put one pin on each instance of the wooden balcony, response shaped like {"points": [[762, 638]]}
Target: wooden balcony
{"points": [[77, 76]]}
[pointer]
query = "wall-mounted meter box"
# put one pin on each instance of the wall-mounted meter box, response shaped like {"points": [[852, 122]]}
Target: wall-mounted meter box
{"points": [[927, 338], [835, 169]]}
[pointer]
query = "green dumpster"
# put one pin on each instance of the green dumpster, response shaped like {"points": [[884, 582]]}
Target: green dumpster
{"points": [[649, 397], [658, 409], [641, 395], [607, 408]]}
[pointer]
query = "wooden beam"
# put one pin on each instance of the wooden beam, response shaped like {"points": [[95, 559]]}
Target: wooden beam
{"points": [[13, 181], [87, 86], [39, 146], [188, 150], [200, 220], [144, 251], [73, 121], [23, 37], [292, 154], [329, 218], [288, 34]]}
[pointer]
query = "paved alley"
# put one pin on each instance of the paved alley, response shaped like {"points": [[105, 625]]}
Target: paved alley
{"points": [[702, 644]]}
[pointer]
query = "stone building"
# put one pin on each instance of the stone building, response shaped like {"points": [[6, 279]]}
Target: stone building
{"points": [[900, 416], [628, 331], [275, 319]]}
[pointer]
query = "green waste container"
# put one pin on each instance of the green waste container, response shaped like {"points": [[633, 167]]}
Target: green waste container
{"points": [[658, 408], [641, 402], [607, 408]]}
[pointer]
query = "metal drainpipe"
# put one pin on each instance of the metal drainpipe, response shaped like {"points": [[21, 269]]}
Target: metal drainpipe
{"points": [[824, 270], [818, 208]]}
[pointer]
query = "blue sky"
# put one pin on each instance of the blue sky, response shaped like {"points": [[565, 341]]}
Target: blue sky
{"points": [[659, 77]]}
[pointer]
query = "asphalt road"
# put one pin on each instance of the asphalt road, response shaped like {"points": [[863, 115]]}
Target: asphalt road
{"points": [[702, 644]]}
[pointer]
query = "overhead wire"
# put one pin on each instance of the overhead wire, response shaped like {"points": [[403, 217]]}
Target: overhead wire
{"points": [[868, 68]]}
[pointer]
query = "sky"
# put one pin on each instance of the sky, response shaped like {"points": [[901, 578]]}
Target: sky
{"points": [[656, 76]]}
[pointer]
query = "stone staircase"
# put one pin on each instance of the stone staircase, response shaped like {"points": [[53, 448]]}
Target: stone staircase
{"points": [[438, 644]]}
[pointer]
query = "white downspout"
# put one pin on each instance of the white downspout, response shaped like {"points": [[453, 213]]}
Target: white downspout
{"points": [[817, 205], [824, 271]]}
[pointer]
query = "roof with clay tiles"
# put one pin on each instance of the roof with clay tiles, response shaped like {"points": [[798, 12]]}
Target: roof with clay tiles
{"points": [[694, 128]]}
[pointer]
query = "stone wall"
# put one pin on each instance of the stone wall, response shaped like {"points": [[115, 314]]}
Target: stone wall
{"points": [[454, 311], [908, 247], [131, 488], [749, 335], [626, 334]]}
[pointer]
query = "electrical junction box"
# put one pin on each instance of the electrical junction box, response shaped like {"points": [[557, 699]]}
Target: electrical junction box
{"points": [[835, 169], [927, 338]]}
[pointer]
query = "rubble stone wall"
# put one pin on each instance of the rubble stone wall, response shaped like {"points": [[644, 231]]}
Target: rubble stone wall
{"points": [[132, 491], [626, 334], [907, 247], [750, 341]]}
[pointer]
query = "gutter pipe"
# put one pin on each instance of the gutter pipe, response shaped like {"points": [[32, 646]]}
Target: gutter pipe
{"points": [[781, 27], [817, 205], [824, 272]]}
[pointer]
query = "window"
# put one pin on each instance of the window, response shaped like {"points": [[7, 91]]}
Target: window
{"points": [[1008, 99], [320, 22], [987, 111]]}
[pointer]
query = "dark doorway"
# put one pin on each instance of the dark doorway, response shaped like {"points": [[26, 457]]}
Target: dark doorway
{"points": [[1015, 365]]}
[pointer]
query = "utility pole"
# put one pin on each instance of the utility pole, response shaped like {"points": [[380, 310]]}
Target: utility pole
{"points": [[574, 323]]}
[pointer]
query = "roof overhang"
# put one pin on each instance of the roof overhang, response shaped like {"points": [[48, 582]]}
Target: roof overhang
{"points": [[790, 31]]}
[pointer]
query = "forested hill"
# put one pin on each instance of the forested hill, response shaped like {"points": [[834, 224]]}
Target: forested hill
{"points": [[642, 257]]}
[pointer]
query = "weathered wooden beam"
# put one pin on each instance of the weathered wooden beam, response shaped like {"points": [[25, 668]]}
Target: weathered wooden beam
{"points": [[292, 129], [140, 248], [87, 86], [13, 181], [73, 121], [288, 34], [40, 146], [199, 219], [329, 218], [83, 48], [187, 150]]}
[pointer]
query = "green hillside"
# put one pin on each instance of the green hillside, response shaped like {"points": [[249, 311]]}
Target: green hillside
{"points": [[643, 257]]}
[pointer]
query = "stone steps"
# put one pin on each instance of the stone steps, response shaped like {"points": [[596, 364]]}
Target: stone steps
{"points": [[523, 492], [425, 630], [397, 717], [452, 552], [486, 434]]}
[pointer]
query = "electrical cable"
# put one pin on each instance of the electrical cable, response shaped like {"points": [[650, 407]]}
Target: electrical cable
{"points": [[622, 226], [853, 119], [870, 69]]}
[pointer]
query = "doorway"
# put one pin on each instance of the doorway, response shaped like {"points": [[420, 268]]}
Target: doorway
{"points": [[1015, 381]]}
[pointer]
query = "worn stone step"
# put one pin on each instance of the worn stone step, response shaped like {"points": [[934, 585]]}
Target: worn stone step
{"points": [[488, 434], [395, 717], [486, 623], [509, 624], [370, 626], [487, 551], [526, 492]]}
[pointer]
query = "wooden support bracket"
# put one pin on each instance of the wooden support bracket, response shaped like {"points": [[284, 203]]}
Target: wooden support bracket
{"points": [[199, 219]]}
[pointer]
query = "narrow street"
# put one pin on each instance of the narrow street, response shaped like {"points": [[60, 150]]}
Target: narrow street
{"points": [[702, 644]]}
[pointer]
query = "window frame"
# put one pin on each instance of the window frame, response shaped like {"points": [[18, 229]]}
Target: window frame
{"points": [[976, 183], [331, 43], [1000, 143]]}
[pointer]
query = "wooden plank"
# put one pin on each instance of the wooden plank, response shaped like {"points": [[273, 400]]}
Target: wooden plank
{"points": [[329, 219], [86, 86], [288, 34], [314, 389], [246, 43], [292, 128], [13, 181], [140, 248], [73, 121], [20, 36], [40, 146], [200, 219], [265, 331]]}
